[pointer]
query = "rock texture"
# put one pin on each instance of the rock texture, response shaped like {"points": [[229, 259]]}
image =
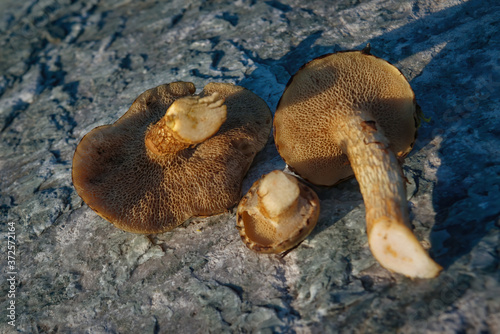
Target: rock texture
{"points": [[69, 66]]}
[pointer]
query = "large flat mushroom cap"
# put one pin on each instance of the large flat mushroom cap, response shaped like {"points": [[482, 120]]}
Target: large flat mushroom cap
{"points": [[138, 191], [326, 89]]}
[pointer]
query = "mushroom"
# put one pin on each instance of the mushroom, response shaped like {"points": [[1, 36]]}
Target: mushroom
{"points": [[172, 156], [353, 112], [277, 213]]}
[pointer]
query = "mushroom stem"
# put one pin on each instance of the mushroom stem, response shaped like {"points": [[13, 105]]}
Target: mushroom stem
{"points": [[381, 183], [278, 195], [189, 120]]}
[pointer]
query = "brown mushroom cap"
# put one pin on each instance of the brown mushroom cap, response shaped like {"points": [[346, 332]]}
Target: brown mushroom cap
{"points": [[320, 92], [142, 192], [277, 213]]}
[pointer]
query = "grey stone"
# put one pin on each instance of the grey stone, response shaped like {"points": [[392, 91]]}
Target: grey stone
{"points": [[69, 66]]}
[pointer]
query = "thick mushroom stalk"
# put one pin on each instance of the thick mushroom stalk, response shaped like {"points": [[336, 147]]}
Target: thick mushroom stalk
{"points": [[189, 120], [353, 113], [278, 195], [277, 213], [381, 182]]}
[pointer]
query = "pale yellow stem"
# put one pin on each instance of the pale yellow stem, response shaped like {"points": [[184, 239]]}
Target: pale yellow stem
{"points": [[381, 183], [189, 120]]}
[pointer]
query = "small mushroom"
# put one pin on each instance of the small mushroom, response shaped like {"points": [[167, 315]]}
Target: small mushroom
{"points": [[353, 112], [277, 213], [172, 156]]}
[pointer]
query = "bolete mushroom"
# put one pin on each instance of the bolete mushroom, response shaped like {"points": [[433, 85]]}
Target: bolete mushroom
{"points": [[353, 112], [172, 156], [277, 213]]}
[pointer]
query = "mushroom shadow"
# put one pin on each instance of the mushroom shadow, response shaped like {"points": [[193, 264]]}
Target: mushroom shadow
{"points": [[466, 196], [457, 227]]}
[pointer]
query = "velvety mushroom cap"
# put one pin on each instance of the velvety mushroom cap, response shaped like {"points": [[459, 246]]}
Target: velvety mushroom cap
{"points": [[320, 94], [277, 213], [141, 191]]}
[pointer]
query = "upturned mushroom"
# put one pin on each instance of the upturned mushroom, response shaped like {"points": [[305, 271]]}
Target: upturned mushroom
{"points": [[172, 156], [353, 112], [277, 213]]}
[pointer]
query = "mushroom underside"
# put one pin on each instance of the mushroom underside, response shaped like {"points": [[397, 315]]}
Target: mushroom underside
{"points": [[138, 191], [351, 112], [308, 140]]}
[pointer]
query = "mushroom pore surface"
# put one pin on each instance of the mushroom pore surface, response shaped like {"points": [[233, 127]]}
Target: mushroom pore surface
{"points": [[140, 191], [320, 96]]}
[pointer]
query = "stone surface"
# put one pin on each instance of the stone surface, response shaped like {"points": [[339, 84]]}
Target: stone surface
{"points": [[69, 66]]}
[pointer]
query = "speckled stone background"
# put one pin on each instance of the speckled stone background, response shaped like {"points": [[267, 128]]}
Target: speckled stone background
{"points": [[68, 66]]}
